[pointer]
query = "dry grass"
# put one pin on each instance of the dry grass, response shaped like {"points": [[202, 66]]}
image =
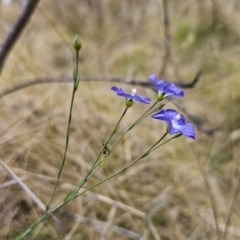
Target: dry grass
{"points": [[173, 193]]}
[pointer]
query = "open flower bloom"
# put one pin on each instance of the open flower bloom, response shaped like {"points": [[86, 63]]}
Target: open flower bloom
{"points": [[131, 98], [176, 122], [165, 88]]}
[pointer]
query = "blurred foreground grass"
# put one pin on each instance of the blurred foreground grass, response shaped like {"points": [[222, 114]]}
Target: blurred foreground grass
{"points": [[164, 196]]}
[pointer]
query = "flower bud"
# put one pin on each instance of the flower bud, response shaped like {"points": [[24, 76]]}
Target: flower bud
{"points": [[77, 44]]}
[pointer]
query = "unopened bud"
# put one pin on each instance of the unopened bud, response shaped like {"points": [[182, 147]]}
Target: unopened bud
{"points": [[77, 44]]}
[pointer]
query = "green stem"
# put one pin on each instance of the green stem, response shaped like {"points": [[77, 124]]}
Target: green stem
{"points": [[91, 171], [75, 195], [89, 174], [127, 167], [75, 86], [71, 194], [155, 147], [132, 125]]}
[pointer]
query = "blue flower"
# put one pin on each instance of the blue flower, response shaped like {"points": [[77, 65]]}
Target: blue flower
{"points": [[165, 88], [176, 122], [131, 98]]}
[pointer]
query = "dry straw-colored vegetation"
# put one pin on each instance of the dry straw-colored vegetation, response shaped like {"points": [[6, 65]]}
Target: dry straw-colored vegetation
{"points": [[184, 190]]}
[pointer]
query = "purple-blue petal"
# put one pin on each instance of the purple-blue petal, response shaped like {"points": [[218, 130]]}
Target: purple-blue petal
{"points": [[173, 130], [165, 88], [165, 114], [170, 114], [141, 99], [160, 115], [153, 78], [176, 122], [172, 90], [136, 97], [114, 88], [161, 87], [120, 92], [187, 130], [181, 120]]}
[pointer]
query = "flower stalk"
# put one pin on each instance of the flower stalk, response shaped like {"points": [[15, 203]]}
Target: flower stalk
{"points": [[175, 126], [77, 46]]}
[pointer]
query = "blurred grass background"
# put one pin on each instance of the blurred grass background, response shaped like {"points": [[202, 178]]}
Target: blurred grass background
{"points": [[171, 194]]}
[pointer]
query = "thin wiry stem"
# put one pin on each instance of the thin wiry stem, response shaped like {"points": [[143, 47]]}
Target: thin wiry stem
{"points": [[105, 146], [97, 164], [73, 194], [98, 161], [121, 170], [132, 125], [75, 86]]}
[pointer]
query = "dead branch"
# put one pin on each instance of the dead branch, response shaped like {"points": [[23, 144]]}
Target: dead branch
{"points": [[66, 79], [16, 30], [130, 81]]}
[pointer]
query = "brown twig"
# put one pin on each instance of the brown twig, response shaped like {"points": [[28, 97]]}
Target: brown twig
{"points": [[129, 81], [192, 83], [67, 79], [16, 30]]}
